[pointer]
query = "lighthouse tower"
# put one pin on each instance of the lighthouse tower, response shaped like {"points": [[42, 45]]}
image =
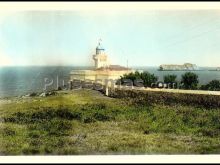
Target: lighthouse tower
{"points": [[100, 58]]}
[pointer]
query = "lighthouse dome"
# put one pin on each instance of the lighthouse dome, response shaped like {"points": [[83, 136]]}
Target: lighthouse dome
{"points": [[100, 47]]}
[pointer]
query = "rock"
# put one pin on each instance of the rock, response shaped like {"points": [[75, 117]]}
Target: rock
{"points": [[52, 93], [33, 94], [43, 94], [27, 95]]}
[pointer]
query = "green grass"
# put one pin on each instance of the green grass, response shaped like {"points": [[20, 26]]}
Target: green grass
{"points": [[86, 122]]}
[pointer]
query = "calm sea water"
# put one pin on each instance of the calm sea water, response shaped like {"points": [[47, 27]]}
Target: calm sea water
{"points": [[17, 81]]}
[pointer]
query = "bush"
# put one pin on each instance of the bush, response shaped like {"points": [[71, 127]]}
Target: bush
{"points": [[34, 134], [148, 98], [92, 107], [147, 78], [33, 94], [209, 132], [56, 127], [87, 112], [170, 78], [19, 118], [132, 76], [89, 119], [190, 80], [101, 116], [203, 87], [66, 114], [8, 131], [31, 151], [213, 85]]}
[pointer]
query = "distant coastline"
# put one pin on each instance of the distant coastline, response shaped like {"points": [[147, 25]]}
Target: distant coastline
{"points": [[185, 67], [32, 79], [175, 67], [214, 69], [187, 70]]}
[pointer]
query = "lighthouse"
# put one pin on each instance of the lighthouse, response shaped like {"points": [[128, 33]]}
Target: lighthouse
{"points": [[102, 71], [100, 58]]}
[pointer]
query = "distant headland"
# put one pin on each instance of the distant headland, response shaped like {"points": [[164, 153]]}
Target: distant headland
{"points": [[186, 67], [175, 67]]}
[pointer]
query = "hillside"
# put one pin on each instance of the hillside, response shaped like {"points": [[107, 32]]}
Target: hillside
{"points": [[86, 122]]}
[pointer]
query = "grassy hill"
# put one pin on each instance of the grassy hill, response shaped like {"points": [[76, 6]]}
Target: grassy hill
{"points": [[86, 122]]}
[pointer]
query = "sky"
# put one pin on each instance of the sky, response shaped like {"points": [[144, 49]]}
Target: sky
{"points": [[143, 38]]}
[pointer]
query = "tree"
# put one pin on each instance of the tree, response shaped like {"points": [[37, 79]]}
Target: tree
{"points": [[148, 78], [190, 80], [132, 76], [213, 85], [169, 78], [204, 87]]}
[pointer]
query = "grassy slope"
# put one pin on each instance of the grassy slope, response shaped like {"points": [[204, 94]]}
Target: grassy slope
{"points": [[86, 122]]}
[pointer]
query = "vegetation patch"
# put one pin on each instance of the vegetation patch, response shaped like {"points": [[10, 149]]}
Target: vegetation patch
{"points": [[166, 98], [89, 123]]}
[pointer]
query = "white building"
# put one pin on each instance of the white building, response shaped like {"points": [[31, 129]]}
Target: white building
{"points": [[101, 58], [102, 69]]}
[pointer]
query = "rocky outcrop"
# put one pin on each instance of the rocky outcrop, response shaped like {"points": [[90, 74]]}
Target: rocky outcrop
{"points": [[185, 66]]}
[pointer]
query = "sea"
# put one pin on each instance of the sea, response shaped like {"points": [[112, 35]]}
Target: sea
{"points": [[19, 81]]}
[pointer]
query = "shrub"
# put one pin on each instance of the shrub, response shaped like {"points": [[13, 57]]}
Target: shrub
{"points": [[190, 80], [31, 151], [132, 76], [8, 131], [19, 117], [33, 94], [170, 78], [56, 127], [209, 132], [65, 114], [203, 87], [213, 85], [89, 119], [101, 116], [149, 98], [97, 106], [147, 78], [77, 115], [34, 134]]}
